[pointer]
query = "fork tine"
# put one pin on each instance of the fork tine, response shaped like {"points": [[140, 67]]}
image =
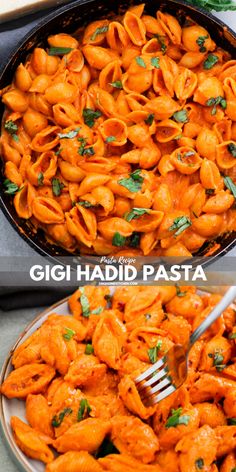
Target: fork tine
{"points": [[163, 394], [151, 370], [148, 383], [166, 381]]}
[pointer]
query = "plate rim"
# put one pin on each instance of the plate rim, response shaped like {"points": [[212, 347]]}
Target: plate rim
{"points": [[19, 460]]}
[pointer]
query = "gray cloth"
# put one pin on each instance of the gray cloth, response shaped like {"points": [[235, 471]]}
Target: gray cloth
{"points": [[12, 326]]}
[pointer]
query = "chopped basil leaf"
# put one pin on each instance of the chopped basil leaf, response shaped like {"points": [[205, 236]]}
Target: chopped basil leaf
{"points": [[117, 84], [97, 311], [217, 361], [232, 149], [11, 188], [99, 30], [155, 61], [11, 127], [110, 139], [58, 152], [89, 151], [153, 352], [136, 213], [230, 185], [211, 60], [200, 42], [59, 51], [217, 5], [57, 419], [175, 419], [118, 239], [40, 179], [149, 120], [84, 409], [57, 187], [134, 182], [214, 102], [85, 204], [140, 62], [199, 463], [84, 303], [70, 135], [161, 40], [209, 191], [232, 421], [234, 469], [180, 224], [178, 292], [68, 335], [89, 349], [90, 116], [181, 116], [232, 336], [134, 239]]}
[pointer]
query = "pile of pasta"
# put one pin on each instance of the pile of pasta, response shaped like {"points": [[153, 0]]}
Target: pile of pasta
{"points": [[122, 138], [77, 375]]}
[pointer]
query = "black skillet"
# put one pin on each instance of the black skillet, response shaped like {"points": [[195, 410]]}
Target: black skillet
{"points": [[68, 19]]}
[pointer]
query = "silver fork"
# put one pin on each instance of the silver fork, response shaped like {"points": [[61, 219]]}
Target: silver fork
{"points": [[169, 373]]}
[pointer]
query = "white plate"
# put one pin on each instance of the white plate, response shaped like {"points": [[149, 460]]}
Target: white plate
{"points": [[13, 407]]}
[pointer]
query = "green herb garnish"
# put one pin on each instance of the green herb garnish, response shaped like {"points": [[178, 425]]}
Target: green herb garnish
{"points": [[209, 191], [84, 303], [99, 30], [11, 188], [153, 352], [140, 62], [232, 149], [97, 311], [180, 224], [134, 239], [149, 120], [217, 361], [59, 51], [155, 61], [57, 187], [200, 42], [90, 116], [70, 135], [178, 291], [136, 213], [232, 421], [216, 5], [40, 179], [134, 182], [85, 204], [161, 40], [69, 334], [110, 139], [89, 349], [12, 128], [232, 336], [84, 409], [199, 463], [230, 185], [214, 102], [181, 116], [211, 60], [118, 239], [117, 84], [175, 419], [57, 419]]}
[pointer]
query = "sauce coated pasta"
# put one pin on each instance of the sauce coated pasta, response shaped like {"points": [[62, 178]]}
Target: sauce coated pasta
{"points": [[76, 374], [122, 138]]}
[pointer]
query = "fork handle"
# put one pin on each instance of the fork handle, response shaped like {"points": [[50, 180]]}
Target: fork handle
{"points": [[227, 299]]}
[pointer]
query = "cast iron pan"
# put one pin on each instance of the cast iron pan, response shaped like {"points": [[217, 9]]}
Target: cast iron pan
{"points": [[68, 19]]}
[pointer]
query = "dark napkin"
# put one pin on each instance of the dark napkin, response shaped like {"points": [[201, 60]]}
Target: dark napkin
{"points": [[14, 298]]}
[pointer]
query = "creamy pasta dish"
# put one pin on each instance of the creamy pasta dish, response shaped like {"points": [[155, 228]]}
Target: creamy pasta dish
{"points": [[77, 373], [122, 138]]}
